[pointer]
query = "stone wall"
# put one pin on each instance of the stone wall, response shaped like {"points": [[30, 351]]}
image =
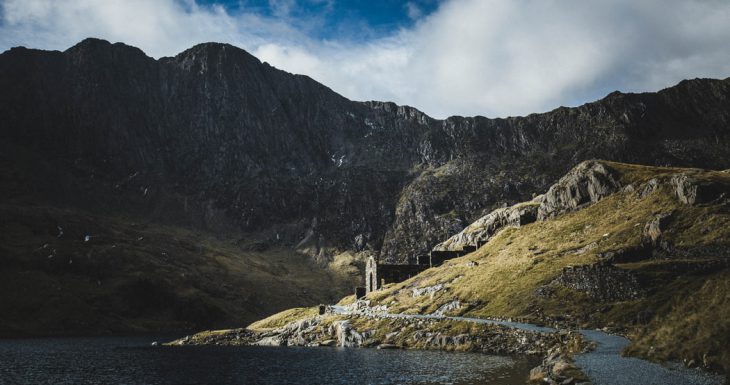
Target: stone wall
{"points": [[440, 256], [377, 275], [397, 273], [601, 281]]}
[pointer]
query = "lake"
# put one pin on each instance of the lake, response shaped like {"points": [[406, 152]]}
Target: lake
{"points": [[131, 360]]}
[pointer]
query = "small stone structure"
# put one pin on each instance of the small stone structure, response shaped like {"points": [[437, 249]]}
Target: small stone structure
{"points": [[377, 275], [440, 256], [424, 259], [360, 292]]}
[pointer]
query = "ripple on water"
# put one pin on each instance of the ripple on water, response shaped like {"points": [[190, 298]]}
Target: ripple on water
{"points": [[133, 361]]}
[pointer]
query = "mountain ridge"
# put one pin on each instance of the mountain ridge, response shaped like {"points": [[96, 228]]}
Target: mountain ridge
{"points": [[215, 141], [195, 110]]}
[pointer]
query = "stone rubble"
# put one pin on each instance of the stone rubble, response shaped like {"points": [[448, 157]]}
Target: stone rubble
{"points": [[428, 290], [447, 307]]}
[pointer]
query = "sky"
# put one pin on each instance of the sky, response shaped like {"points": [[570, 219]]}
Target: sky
{"points": [[495, 58]]}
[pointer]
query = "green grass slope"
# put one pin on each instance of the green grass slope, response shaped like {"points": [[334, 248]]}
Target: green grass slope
{"points": [[684, 311], [133, 276]]}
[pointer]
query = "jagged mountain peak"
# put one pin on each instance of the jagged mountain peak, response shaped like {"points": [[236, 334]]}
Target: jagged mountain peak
{"points": [[95, 46]]}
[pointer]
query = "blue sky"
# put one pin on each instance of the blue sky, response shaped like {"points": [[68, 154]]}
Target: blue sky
{"points": [[353, 19], [495, 58]]}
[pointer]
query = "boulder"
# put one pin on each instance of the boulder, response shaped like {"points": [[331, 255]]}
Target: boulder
{"points": [[654, 228], [269, 341], [649, 187], [428, 290], [447, 307], [538, 375]]}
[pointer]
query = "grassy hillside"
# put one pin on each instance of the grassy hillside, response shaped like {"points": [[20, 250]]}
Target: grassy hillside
{"points": [[676, 285], [132, 276], [683, 310]]}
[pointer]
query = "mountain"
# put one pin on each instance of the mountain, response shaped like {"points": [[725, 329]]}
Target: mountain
{"points": [[214, 141], [635, 250]]}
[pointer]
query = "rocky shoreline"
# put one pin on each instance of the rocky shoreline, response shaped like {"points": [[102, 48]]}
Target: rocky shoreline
{"points": [[373, 331]]}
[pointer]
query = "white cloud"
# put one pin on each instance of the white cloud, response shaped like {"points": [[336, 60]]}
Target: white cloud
{"points": [[413, 10], [488, 57]]}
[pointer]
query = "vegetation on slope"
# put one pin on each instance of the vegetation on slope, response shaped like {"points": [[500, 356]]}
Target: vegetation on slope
{"points": [[684, 281], [695, 328], [282, 318], [679, 307], [133, 276]]}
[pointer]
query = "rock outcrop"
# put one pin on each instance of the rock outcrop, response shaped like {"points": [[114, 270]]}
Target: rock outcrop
{"points": [[586, 183], [346, 335], [558, 368], [691, 191], [487, 226]]}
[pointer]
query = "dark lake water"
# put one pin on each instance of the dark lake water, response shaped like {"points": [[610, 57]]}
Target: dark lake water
{"points": [[123, 360]]}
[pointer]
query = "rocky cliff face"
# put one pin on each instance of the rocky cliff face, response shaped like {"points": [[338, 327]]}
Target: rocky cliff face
{"points": [[213, 138]]}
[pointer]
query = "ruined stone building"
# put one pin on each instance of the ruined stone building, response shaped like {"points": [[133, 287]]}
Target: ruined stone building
{"points": [[378, 275]]}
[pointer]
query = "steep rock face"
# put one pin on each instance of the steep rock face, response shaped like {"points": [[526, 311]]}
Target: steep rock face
{"points": [[211, 137], [442, 200], [532, 152], [214, 138]]}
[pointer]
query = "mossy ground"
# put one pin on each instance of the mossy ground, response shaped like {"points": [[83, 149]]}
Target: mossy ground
{"points": [[282, 318]]}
